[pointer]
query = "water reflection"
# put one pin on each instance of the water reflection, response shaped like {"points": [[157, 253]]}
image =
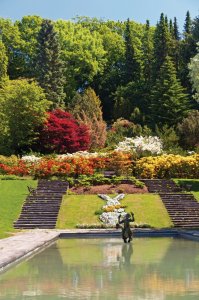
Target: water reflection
{"points": [[156, 268]]}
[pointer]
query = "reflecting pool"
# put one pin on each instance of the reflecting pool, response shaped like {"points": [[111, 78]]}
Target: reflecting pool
{"points": [[149, 268]]}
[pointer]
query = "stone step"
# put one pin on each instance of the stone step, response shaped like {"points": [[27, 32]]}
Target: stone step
{"points": [[35, 222], [32, 226]]}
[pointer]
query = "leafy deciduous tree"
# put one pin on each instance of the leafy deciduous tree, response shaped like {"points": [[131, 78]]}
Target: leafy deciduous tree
{"points": [[23, 107], [62, 133]]}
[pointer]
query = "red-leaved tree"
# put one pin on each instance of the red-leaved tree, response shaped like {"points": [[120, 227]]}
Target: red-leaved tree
{"points": [[62, 133]]}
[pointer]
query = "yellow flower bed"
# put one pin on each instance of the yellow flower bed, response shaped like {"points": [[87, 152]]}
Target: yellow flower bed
{"points": [[167, 166]]}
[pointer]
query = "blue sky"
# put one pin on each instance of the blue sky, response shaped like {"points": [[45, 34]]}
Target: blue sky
{"points": [[138, 10]]}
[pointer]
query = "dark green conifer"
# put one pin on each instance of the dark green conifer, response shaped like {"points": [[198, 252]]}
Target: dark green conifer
{"points": [[176, 30], [169, 103], [188, 22], [162, 41], [49, 64], [132, 66]]}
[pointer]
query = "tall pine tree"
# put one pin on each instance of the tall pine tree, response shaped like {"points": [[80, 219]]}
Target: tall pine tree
{"points": [[188, 22], [169, 103], [131, 66], [162, 41], [49, 64]]}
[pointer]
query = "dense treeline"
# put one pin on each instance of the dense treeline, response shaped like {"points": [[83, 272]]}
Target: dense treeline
{"points": [[140, 73]]}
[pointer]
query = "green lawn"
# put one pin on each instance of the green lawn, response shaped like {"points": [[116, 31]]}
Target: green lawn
{"points": [[194, 185], [80, 209], [12, 196]]}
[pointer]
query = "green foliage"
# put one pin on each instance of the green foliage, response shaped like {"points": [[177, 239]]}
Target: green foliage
{"points": [[189, 130], [122, 128], [87, 102], [49, 64], [162, 42], [193, 73], [11, 177], [22, 109], [86, 107], [121, 61], [29, 28], [83, 52], [169, 138], [99, 179], [188, 23], [169, 103], [3, 63], [132, 64]]}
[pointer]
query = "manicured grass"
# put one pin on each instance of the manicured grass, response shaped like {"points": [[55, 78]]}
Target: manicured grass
{"points": [[80, 209], [12, 196], [148, 209], [194, 183]]}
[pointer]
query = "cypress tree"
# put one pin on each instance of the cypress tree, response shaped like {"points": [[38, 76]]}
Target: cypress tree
{"points": [[49, 64], [175, 30], [175, 45], [147, 51], [162, 41], [132, 66], [169, 103], [171, 27], [187, 50], [188, 22]]}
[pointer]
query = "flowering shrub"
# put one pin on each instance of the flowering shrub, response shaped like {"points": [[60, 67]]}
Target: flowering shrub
{"points": [[10, 161], [163, 166], [20, 169], [30, 158], [168, 166], [62, 133], [141, 145]]}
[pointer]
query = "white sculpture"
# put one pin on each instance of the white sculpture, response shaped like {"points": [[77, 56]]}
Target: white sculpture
{"points": [[111, 218]]}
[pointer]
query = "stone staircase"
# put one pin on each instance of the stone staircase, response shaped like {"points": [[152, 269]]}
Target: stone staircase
{"points": [[182, 207], [161, 186], [41, 208]]}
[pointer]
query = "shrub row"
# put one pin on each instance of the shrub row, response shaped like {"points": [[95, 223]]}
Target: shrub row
{"points": [[163, 166]]}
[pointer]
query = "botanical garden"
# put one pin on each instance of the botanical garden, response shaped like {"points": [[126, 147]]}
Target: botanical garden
{"points": [[99, 119]]}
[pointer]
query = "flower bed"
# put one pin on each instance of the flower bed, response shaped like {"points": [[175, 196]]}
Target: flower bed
{"points": [[121, 163], [168, 166]]}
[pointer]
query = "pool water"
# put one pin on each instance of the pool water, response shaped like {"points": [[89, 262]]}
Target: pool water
{"points": [[148, 268]]}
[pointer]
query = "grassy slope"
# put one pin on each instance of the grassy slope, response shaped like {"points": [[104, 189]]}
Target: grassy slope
{"points": [[12, 195], [80, 209]]}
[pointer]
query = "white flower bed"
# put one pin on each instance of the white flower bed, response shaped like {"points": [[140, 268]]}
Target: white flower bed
{"points": [[30, 158], [80, 154], [140, 144]]}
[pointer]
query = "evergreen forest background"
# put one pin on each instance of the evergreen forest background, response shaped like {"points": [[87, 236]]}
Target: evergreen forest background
{"points": [[95, 82]]}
